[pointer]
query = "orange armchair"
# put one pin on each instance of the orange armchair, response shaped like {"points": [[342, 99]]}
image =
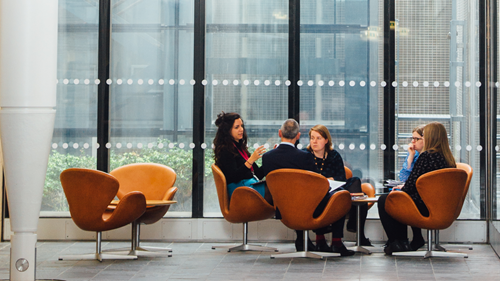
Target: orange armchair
{"points": [[88, 193], [156, 182], [246, 205], [442, 191], [297, 193]]}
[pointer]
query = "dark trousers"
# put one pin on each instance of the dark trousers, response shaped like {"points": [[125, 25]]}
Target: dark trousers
{"points": [[393, 228], [353, 185]]}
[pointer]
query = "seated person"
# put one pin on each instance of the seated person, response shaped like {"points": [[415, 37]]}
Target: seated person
{"points": [[232, 156], [286, 155]]}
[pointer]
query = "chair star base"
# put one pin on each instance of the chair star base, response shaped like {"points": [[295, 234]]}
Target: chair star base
{"points": [[430, 254], [142, 252], [247, 247], [96, 256], [303, 254], [439, 247], [359, 249]]}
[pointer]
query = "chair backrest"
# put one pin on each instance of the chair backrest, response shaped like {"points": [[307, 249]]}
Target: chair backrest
{"points": [[468, 169], [367, 188], [155, 181], [89, 193], [348, 172], [297, 193], [221, 186], [442, 192]]}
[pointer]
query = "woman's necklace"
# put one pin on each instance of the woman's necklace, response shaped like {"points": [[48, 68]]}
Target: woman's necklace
{"points": [[316, 159]]}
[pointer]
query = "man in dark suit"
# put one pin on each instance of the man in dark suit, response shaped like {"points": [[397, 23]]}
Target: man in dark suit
{"points": [[287, 156]]}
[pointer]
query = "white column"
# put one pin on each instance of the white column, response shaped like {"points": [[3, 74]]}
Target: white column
{"points": [[28, 65]]}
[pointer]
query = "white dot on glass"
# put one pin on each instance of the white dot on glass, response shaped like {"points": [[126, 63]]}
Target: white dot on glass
{"points": [[277, 82], [140, 81], [150, 145], [255, 145], [75, 145], [97, 145], [151, 81], [394, 84], [497, 84], [182, 82], [373, 146], [119, 81], [373, 83], [395, 147], [352, 146], [299, 146], [109, 81], [171, 145], [65, 145], [171, 81], [341, 146], [352, 83], [97, 81], [478, 84], [405, 147], [383, 84], [362, 83], [415, 84], [181, 145], [341, 83], [215, 82], [203, 145], [129, 145], [161, 81], [246, 82], [66, 81], [57, 81], [130, 81], [108, 145], [266, 146], [310, 83], [479, 148], [256, 82], [54, 145], [457, 84], [118, 145], [436, 84], [321, 83], [458, 147], [139, 145], [446, 83], [267, 82], [160, 145], [331, 83], [467, 84], [426, 83], [225, 82], [383, 147], [236, 82], [86, 81], [204, 82], [469, 148], [497, 147], [300, 83], [76, 81], [86, 145], [192, 82], [288, 83], [362, 146], [191, 145], [213, 146], [405, 84]]}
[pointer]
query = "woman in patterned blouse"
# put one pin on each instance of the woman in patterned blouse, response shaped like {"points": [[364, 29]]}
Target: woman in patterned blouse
{"points": [[436, 155]]}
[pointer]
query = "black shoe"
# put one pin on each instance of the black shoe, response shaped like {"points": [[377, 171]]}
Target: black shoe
{"points": [[342, 250], [417, 243], [405, 245], [299, 245], [366, 242], [397, 246], [322, 246]]}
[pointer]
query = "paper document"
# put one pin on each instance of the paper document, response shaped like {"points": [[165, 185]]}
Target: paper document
{"points": [[335, 184]]}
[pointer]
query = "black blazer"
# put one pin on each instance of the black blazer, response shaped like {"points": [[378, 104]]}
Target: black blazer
{"points": [[287, 157]]}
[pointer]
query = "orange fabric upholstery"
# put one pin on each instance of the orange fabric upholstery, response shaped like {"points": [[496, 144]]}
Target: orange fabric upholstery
{"points": [[89, 192], [441, 190], [468, 169], [367, 188], [246, 203], [155, 181], [297, 193]]}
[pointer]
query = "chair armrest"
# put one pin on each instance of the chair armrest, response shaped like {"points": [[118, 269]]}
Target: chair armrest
{"points": [[402, 208], [338, 206], [246, 205], [169, 195], [130, 208]]}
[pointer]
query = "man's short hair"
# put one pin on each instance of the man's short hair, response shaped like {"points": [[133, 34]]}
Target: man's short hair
{"points": [[290, 129]]}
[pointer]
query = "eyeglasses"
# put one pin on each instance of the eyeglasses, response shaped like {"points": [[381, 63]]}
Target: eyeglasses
{"points": [[416, 139]]}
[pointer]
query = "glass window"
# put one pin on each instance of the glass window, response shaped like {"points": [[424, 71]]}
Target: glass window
{"points": [[246, 72], [150, 93]]}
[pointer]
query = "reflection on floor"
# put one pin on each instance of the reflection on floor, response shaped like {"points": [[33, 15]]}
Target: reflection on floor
{"points": [[197, 261]]}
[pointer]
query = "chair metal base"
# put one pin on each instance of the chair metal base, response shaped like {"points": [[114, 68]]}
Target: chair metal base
{"points": [[97, 256], [304, 254], [430, 254], [439, 247], [142, 252], [245, 246], [360, 249]]}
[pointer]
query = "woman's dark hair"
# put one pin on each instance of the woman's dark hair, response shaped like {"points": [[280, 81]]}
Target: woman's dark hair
{"points": [[223, 140]]}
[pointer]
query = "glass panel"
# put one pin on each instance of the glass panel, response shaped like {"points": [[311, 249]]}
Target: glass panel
{"points": [[151, 94], [75, 134], [437, 71], [246, 70], [340, 60]]}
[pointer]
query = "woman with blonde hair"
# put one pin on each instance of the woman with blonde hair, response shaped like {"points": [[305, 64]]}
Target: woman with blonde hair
{"points": [[436, 155]]}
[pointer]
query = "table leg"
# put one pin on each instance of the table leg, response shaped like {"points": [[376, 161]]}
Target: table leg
{"points": [[358, 248]]}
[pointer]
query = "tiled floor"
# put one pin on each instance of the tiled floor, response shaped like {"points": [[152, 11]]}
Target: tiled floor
{"points": [[197, 261]]}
